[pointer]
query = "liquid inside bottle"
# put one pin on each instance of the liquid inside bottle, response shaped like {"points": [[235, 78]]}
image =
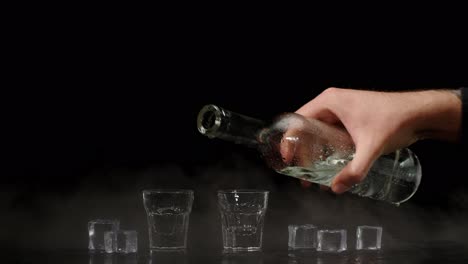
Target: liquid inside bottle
{"points": [[390, 179], [311, 150]]}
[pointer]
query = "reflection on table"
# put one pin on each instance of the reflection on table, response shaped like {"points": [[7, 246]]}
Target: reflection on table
{"points": [[168, 257], [113, 259], [356, 257], [243, 258]]}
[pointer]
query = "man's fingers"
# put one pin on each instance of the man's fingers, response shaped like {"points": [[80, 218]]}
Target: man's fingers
{"points": [[306, 184], [355, 171], [319, 107]]}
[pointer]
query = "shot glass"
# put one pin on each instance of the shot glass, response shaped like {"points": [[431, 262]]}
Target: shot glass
{"points": [[168, 214], [242, 217]]}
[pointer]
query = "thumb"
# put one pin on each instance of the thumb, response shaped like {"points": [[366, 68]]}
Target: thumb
{"points": [[356, 170]]}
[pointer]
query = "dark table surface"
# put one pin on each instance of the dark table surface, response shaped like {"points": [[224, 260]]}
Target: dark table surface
{"points": [[431, 252]]}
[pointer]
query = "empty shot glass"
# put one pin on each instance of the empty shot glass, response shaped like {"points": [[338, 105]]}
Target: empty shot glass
{"points": [[302, 237], [168, 214], [242, 218], [331, 240], [368, 237], [96, 230]]}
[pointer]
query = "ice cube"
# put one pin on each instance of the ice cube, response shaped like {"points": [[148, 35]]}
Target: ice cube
{"points": [[331, 240], [96, 230], [122, 241], [110, 242], [302, 237], [368, 237]]}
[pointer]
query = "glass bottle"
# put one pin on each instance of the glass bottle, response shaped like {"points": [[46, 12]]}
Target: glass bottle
{"points": [[314, 151]]}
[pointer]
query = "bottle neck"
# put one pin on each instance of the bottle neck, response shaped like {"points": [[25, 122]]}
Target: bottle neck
{"points": [[216, 122]]}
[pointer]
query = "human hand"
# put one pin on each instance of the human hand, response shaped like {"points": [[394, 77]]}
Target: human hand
{"points": [[382, 122]]}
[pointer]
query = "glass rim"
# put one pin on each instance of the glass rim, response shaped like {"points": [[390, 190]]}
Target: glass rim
{"points": [[167, 191], [251, 191]]}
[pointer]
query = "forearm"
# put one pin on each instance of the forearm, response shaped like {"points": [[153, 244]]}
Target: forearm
{"points": [[438, 114], [464, 128]]}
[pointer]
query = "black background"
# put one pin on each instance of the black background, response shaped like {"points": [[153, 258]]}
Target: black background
{"points": [[96, 112]]}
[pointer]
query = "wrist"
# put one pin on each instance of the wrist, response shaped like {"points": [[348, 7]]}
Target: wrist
{"points": [[439, 114]]}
